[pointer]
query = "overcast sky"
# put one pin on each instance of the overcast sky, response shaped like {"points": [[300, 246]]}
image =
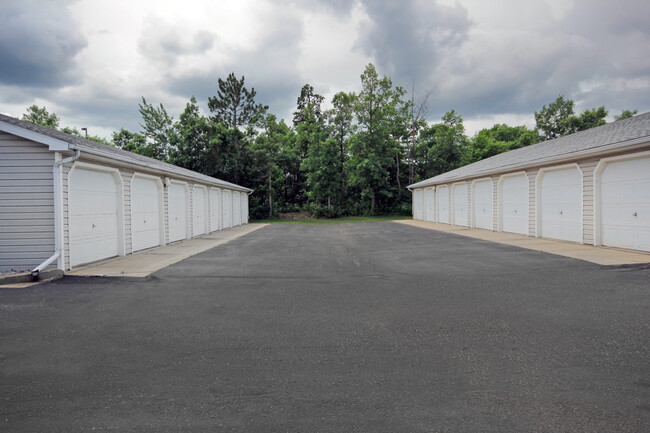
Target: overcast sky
{"points": [[90, 61]]}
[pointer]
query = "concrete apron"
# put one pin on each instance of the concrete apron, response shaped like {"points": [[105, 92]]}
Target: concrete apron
{"points": [[144, 263], [599, 255]]}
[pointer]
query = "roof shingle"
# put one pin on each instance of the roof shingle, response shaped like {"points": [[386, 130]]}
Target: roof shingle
{"points": [[610, 136], [118, 154]]}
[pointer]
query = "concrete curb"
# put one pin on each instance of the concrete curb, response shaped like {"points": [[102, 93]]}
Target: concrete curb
{"points": [[26, 277], [605, 256]]}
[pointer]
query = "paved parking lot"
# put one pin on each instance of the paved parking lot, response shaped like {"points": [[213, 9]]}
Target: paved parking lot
{"points": [[369, 327]]}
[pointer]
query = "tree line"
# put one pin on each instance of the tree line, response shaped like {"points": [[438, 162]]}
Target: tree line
{"points": [[355, 158]]}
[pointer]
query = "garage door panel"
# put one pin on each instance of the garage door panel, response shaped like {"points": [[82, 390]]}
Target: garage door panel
{"points": [[93, 216], [561, 204], [625, 204], [460, 205], [177, 211], [417, 204], [146, 213], [215, 208], [514, 206], [227, 209], [443, 205], [483, 206], [198, 211], [237, 209], [430, 205]]}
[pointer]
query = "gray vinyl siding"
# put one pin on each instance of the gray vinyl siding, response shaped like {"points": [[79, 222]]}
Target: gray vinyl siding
{"points": [[495, 203], [127, 177], [588, 168], [26, 203], [532, 201], [166, 214]]}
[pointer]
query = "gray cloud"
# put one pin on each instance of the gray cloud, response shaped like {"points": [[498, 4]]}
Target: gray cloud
{"points": [[163, 43], [38, 44], [269, 68], [409, 39], [597, 54]]}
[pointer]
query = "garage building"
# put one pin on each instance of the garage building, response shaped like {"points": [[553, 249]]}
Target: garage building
{"points": [[591, 187], [66, 201]]}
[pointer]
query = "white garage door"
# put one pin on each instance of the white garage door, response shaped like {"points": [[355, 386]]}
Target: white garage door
{"points": [[460, 205], [177, 202], [482, 205], [443, 204], [514, 204], [145, 213], [227, 209], [429, 204], [561, 205], [93, 218], [236, 204], [198, 211], [244, 208], [417, 204], [625, 198], [215, 208]]}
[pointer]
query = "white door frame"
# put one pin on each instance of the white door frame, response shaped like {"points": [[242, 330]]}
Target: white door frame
{"points": [[188, 215], [161, 204], [502, 178], [473, 200], [115, 172], [538, 197], [598, 171]]}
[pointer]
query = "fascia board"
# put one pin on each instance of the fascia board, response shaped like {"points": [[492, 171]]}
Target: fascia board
{"points": [[110, 158], [54, 144], [566, 157]]}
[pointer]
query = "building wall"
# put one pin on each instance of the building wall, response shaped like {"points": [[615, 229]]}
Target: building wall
{"points": [[127, 177], [26, 203], [587, 165]]}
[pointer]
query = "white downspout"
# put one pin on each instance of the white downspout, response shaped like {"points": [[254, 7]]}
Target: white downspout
{"points": [[57, 171]]}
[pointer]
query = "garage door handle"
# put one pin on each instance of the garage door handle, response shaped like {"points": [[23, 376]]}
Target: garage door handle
{"points": [[560, 212], [634, 214], [94, 226]]}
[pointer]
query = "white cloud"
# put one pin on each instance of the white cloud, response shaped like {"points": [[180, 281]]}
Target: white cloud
{"points": [[492, 62]]}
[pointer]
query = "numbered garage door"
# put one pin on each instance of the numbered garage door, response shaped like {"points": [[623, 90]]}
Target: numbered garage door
{"points": [[199, 210], [417, 204], [460, 205], [93, 215], [560, 205], [482, 207], [215, 209], [227, 209], [443, 204], [625, 204], [429, 204], [146, 213], [514, 204], [236, 205], [177, 211]]}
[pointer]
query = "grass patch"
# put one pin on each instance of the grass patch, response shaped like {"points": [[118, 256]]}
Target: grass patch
{"points": [[318, 221]]}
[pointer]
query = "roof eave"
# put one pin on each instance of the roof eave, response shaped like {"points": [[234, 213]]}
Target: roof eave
{"points": [[138, 163], [559, 159], [54, 144]]}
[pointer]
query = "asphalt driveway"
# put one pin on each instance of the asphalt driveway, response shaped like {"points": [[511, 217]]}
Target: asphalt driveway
{"points": [[368, 327]]}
